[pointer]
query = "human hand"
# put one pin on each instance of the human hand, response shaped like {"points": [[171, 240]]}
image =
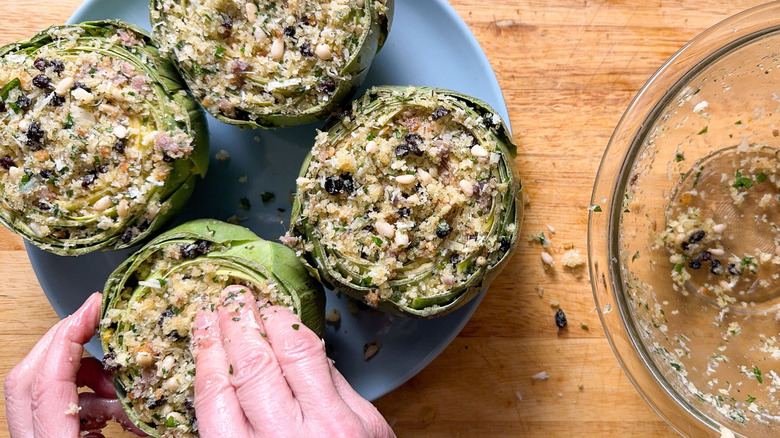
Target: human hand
{"points": [[262, 373], [41, 395]]}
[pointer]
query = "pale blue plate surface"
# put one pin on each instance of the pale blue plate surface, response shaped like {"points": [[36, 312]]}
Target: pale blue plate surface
{"points": [[428, 45]]}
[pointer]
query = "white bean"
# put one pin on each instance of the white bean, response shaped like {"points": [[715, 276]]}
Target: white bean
{"points": [[102, 203], [467, 187], [251, 13], [401, 239], [385, 229], [144, 359], [323, 51], [424, 176], [371, 147], [260, 36], [64, 86], [123, 208], [277, 49], [478, 151], [405, 179]]}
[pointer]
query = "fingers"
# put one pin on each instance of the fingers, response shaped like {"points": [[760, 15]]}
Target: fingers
{"points": [[216, 404], [96, 411], [302, 358], [92, 375], [260, 385], [18, 387], [373, 421], [54, 398]]}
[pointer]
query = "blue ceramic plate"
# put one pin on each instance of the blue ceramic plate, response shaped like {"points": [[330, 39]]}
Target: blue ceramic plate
{"points": [[428, 45]]}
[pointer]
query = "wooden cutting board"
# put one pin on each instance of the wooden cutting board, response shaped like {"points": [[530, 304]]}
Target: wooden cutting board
{"points": [[568, 70]]}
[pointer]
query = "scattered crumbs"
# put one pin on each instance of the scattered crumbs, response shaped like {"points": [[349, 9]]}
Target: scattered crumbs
{"points": [[540, 292], [726, 432], [542, 376], [572, 259], [526, 199], [519, 396], [257, 138], [333, 316], [222, 155], [581, 386], [595, 208], [547, 259], [560, 395], [243, 179], [73, 409], [607, 308], [235, 219], [371, 349], [352, 306], [552, 230], [555, 304], [267, 197], [244, 204], [296, 326], [544, 241], [584, 326]]}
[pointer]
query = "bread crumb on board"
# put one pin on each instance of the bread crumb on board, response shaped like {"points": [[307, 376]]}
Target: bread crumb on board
{"points": [[541, 376], [572, 259], [73, 409]]}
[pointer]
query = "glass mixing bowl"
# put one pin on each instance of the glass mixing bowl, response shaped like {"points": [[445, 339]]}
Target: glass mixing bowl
{"points": [[683, 233]]}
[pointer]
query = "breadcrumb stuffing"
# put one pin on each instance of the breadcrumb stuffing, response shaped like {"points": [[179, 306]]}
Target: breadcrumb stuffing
{"points": [[572, 259]]}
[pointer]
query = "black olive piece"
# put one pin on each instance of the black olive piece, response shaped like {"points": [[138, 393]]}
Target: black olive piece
{"points": [[103, 168], [454, 259], [3, 108], [174, 335], [46, 174], [732, 269], [439, 113], [369, 227], [403, 212], [694, 263], [334, 185], [57, 66], [41, 81], [41, 64], [349, 183], [685, 246], [81, 85], [705, 256], [23, 102], [413, 139], [35, 133], [697, 236], [227, 22], [127, 236], [109, 357], [88, 179], [194, 249], [168, 159], [488, 118], [156, 403], [7, 162], [119, 146], [144, 225], [326, 87], [56, 100], [167, 313], [560, 319], [43, 206], [307, 50], [289, 31], [402, 150], [716, 267], [443, 229], [188, 404], [504, 244]]}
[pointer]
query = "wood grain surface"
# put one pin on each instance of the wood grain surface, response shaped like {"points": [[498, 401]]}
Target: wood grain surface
{"points": [[568, 70]]}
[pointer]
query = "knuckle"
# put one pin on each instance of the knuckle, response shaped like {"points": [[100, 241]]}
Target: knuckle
{"points": [[208, 384], [12, 382], [301, 346], [253, 365]]}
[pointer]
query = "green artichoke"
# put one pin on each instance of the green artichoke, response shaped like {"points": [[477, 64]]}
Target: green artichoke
{"points": [[411, 202], [149, 303], [263, 63], [101, 144]]}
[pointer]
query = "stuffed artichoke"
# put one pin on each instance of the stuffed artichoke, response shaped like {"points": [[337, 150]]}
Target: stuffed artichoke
{"points": [[150, 301], [271, 63], [411, 202], [101, 144]]}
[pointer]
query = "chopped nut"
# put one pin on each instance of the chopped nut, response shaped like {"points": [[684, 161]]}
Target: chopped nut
{"points": [[405, 179], [467, 187], [323, 51], [478, 151], [102, 203], [371, 349], [251, 12], [277, 49], [547, 258], [385, 229]]}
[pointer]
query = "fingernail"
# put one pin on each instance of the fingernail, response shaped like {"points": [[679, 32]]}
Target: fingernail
{"points": [[204, 318]]}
